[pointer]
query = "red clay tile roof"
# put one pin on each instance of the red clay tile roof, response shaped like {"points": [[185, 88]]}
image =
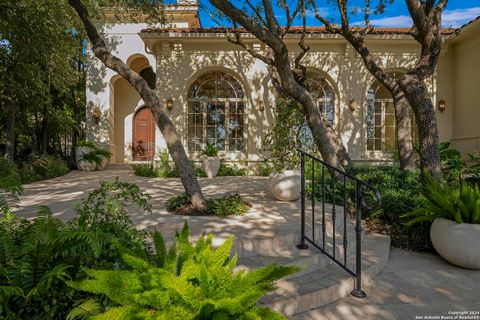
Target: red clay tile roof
{"points": [[293, 30]]}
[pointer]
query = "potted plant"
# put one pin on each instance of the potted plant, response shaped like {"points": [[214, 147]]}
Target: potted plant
{"points": [[104, 155], [90, 160], [83, 147], [454, 211], [211, 163]]}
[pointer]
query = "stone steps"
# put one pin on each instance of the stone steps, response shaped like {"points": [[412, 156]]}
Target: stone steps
{"points": [[313, 289]]}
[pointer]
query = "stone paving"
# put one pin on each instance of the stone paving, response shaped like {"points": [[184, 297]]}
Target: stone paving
{"points": [[411, 285]]}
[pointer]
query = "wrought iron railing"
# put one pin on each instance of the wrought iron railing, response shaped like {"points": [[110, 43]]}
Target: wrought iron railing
{"points": [[326, 187]]}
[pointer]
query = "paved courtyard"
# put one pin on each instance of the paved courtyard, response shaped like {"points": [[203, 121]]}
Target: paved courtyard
{"points": [[411, 285]]}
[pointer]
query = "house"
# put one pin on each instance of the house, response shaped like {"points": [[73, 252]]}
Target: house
{"points": [[216, 92]]}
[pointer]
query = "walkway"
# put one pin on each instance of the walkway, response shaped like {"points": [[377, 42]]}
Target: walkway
{"points": [[411, 285]]}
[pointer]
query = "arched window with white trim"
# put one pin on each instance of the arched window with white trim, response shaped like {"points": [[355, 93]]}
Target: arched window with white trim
{"points": [[323, 93], [381, 119], [216, 113]]}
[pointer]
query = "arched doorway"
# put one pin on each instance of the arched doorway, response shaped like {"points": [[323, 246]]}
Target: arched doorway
{"points": [[143, 144]]}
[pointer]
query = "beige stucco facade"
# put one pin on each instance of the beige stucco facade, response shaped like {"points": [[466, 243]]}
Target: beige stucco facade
{"points": [[179, 57]]}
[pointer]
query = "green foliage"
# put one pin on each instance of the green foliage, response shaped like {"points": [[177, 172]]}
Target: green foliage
{"points": [[401, 192], [231, 170], [186, 282], [36, 257], [91, 157], [229, 205], [43, 167], [176, 202], [264, 169], [210, 150], [86, 143], [10, 185], [145, 170], [458, 203], [288, 134], [451, 160]]}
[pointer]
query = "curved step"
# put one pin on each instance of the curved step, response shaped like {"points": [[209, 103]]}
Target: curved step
{"points": [[315, 289]]}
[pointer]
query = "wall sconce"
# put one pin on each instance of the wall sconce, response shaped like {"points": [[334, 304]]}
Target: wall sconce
{"points": [[261, 105], [169, 104], [442, 105], [352, 105], [96, 113]]}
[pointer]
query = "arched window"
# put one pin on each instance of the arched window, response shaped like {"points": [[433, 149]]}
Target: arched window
{"points": [[323, 94], [216, 113], [381, 119]]}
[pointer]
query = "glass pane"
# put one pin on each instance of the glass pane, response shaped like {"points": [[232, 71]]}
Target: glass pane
{"points": [[216, 85]]}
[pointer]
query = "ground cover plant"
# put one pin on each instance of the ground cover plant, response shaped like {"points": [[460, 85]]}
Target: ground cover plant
{"points": [[184, 282], [42, 167], [228, 205]]}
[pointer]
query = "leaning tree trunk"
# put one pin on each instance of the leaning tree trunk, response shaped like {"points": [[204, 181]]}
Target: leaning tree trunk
{"points": [[417, 94], [11, 107], [174, 145], [403, 131]]}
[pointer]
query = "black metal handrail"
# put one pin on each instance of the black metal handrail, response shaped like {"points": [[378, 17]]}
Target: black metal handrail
{"points": [[338, 180]]}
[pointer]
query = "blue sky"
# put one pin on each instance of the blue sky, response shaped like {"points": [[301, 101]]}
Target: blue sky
{"points": [[457, 13]]}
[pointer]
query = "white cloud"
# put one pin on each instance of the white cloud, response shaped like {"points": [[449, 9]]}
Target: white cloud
{"points": [[450, 18]]}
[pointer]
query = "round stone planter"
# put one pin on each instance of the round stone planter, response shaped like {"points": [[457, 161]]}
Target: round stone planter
{"points": [[86, 166], [457, 243], [79, 151], [211, 166], [285, 186], [103, 164]]}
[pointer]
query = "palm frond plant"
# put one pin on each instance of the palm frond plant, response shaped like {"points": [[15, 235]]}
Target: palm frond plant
{"points": [[460, 203], [210, 150]]}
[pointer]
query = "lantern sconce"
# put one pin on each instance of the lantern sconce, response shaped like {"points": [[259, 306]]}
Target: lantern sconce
{"points": [[353, 104], [169, 104], [442, 105], [261, 105], [96, 113]]}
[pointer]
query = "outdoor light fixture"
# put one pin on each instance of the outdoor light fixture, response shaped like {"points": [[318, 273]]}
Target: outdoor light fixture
{"points": [[261, 105], [169, 104], [352, 105], [96, 112], [442, 105]]}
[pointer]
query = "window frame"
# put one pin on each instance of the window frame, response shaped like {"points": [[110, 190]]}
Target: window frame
{"points": [[227, 104]]}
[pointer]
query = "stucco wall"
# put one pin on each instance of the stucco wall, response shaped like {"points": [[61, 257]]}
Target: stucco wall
{"points": [[466, 86]]}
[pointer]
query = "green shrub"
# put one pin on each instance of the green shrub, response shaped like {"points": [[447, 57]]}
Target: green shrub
{"points": [[231, 170], [264, 169], [10, 185], [401, 193], [210, 150], [43, 167], [458, 203], [185, 282], [145, 170], [36, 257], [452, 163], [229, 205]]}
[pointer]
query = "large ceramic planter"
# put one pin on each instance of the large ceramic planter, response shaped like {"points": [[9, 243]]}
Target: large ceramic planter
{"points": [[457, 243], [102, 164], [211, 166], [79, 151], [285, 186], [86, 166]]}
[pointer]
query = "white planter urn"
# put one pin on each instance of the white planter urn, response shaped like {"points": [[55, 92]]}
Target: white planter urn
{"points": [[211, 166], [86, 166], [79, 151], [285, 186], [457, 243], [103, 164]]}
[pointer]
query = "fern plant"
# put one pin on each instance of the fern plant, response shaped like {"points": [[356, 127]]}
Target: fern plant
{"points": [[185, 282], [453, 202]]}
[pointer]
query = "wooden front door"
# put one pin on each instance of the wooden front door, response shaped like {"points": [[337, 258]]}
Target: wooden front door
{"points": [[143, 148]]}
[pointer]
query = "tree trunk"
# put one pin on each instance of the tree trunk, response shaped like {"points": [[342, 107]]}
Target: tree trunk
{"points": [[328, 142], [11, 106], [417, 94], [174, 145], [403, 131]]}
